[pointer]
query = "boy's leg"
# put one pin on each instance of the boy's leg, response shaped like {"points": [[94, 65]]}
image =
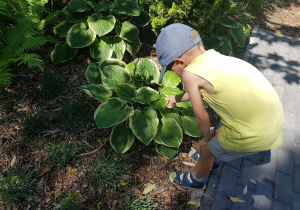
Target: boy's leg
{"points": [[205, 162]]}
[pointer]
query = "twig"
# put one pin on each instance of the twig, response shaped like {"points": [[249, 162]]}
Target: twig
{"points": [[146, 180], [92, 152]]}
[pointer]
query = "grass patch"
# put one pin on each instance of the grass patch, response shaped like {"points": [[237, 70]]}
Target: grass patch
{"points": [[259, 6], [17, 188], [146, 203], [70, 204], [33, 125], [62, 154], [52, 85], [108, 168]]}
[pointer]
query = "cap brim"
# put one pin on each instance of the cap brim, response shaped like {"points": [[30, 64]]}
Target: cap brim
{"points": [[163, 71]]}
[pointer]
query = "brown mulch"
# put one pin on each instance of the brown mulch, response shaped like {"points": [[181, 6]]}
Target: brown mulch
{"points": [[21, 98]]}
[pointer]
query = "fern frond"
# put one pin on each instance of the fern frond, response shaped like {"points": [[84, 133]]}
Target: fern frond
{"points": [[5, 78], [31, 44], [31, 60], [49, 19]]}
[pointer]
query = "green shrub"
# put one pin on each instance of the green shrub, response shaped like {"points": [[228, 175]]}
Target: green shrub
{"points": [[107, 27], [134, 104], [62, 154], [108, 168], [17, 188], [213, 19], [33, 125]]}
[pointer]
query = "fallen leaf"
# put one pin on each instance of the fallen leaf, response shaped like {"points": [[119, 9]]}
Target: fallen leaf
{"points": [[245, 189], [252, 181], [140, 195], [122, 182], [189, 164], [13, 161], [193, 203], [278, 31], [236, 200], [148, 189]]}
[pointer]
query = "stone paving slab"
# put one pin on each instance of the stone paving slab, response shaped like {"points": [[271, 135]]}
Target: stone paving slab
{"points": [[272, 177]]}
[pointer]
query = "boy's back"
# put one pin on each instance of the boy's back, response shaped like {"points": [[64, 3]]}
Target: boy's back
{"points": [[248, 105]]}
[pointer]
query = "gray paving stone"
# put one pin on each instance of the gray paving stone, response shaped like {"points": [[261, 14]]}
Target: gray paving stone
{"points": [[288, 140], [266, 171], [297, 154], [280, 91], [263, 195], [296, 201], [246, 197], [296, 180], [285, 161], [282, 190], [212, 185], [280, 206], [290, 120], [221, 201], [248, 172], [228, 180]]}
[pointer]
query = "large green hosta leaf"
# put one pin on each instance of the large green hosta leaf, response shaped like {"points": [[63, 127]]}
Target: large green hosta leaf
{"points": [[148, 71], [170, 79], [78, 6], [169, 91], [212, 42], [238, 35], [171, 114], [101, 25], [101, 50], [101, 6], [144, 124], [121, 138], [129, 32], [145, 95], [80, 36], [112, 62], [62, 29], [125, 92], [169, 133], [189, 123], [93, 74], [62, 52], [118, 46], [159, 104], [114, 75], [128, 7], [100, 92], [228, 22], [134, 47], [168, 152], [142, 20], [225, 48], [112, 112]]}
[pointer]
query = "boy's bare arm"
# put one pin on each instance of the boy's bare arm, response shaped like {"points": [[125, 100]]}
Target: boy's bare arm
{"points": [[193, 83], [172, 100]]}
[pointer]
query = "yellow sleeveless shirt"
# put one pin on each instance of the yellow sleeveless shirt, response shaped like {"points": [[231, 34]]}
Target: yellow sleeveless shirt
{"points": [[249, 107]]}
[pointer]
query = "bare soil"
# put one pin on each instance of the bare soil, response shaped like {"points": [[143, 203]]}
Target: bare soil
{"points": [[21, 98]]}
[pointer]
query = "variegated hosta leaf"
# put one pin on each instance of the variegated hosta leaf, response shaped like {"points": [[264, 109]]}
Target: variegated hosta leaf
{"points": [[132, 68], [101, 25], [121, 138], [114, 75], [100, 92], [170, 79], [183, 105], [142, 20], [144, 124], [80, 36], [225, 48], [171, 114], [62, 29], [168, 152], [228, 22], [92, 73], [148, 71], [189, 123], [129, 32], [212, 42], [134, 47], [145, 95], [159, 104], [118, 46], [169, 133], [112, 62], [112, 112], [101, 6], [169, 91], [78, 6], [127, 7], [125, 92], [238, 35], [101, 51], [62, 52]]}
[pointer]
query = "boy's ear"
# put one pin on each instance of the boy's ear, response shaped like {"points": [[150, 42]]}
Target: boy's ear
{"points": [[180, 60]]}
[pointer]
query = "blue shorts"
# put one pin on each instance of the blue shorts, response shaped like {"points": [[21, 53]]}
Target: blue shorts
{"points": [[223, 154]]}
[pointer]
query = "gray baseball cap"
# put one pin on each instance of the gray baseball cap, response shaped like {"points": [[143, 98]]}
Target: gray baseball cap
{"points": [[172, 42]]}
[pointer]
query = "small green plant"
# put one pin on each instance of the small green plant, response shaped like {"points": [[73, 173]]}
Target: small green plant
{"points": [[52, 84], [62, 154], [108, 168], [260, 6], [107, 27], [134, 104], [33, 125], [145, 203], [70, 204], [72, 114], [17, 188]]}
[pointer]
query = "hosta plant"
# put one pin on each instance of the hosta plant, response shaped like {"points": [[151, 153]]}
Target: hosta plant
{"points": [[107, 27], [134, 104]]}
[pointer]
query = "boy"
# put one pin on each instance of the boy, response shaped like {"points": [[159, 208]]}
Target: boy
{"points": [[251, 113]]}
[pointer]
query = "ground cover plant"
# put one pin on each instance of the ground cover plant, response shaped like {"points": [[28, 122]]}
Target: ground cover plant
{"points": [[107, 27]]}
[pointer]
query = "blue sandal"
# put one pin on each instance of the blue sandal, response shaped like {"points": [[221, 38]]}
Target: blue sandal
{"points": [[187, 180], [195, 156]]}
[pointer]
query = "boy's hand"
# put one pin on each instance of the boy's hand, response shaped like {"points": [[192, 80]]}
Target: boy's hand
{"points": [[171, 102]]}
